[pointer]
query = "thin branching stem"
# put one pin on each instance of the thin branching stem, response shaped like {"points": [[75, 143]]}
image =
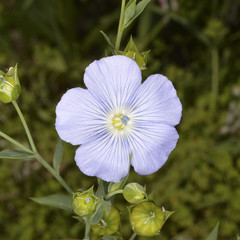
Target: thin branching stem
{"points": [[120, 26], [11, 140], [29, 136]]}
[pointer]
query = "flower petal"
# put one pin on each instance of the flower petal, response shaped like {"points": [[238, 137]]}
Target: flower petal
{"points": [[151, 146], [113, 80], [80, 118], [156, 101], [106, 158]]}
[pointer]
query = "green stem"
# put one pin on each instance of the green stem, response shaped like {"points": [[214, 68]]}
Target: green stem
{"points": [[133, 236], [54, 173], [15, 142], [87, 229], [29, 136], [215, 76], [113, 193], [120, 26]]}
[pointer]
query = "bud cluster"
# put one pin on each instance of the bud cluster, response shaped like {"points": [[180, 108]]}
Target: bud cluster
{"points": [[146, 218], [9, 85]]}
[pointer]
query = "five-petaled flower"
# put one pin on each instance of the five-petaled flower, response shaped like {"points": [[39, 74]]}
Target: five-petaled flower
{"points": [[117, 116]]}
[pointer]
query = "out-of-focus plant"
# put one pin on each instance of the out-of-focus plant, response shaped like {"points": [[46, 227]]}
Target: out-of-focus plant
{"points": [[204, 167]]}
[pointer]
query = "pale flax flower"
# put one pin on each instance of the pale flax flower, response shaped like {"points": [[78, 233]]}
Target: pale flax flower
{"points": [[118, 115]]}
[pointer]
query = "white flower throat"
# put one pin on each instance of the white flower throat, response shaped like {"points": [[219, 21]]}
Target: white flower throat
{"points": [[120, 122]]}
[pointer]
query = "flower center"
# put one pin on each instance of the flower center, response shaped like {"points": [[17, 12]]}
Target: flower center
{"points": [[119, 121]]}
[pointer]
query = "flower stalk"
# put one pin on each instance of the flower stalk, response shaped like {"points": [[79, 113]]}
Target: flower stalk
{"points": [[113, 193], [87, 229], [29, 136], [120, 26], [11, 140], [133, 236]]}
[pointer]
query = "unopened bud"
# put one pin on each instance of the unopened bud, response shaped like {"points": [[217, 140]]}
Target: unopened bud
{"points": [[84, 203], [147, 219], [133, 192], [108, 224], [9, 85]]}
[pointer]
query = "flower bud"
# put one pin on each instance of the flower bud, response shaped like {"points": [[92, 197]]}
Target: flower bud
{"points": [[147, 219], [133, 192], [9, 85], [84, 203], [108, 224]]}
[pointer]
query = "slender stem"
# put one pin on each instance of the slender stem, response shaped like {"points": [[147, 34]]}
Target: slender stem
{"points": [[133, 236], [25, 126], [15, 142], [113, 193], [215, 76], [120, 26], [87, 229], [54, 173]]}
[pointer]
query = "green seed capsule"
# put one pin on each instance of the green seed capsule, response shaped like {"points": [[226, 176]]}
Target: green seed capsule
{"points": [[9, 85], [84, 204], [133, 193], [108, 224], [147, 219]]}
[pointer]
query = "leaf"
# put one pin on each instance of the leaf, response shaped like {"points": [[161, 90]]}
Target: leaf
{"points": [[139, 8], [213, 235], [95, 218], [56, 200], [16, 154], [100, 191], [129, 3], [129, 12], [108, 41], [107, 205], [57, 159]]}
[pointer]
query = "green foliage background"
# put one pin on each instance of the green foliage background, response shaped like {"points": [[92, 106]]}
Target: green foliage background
{"points": [[193, 43]]}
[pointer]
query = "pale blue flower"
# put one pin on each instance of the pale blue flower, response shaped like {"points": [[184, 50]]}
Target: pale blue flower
{"points": [[117, 116]]}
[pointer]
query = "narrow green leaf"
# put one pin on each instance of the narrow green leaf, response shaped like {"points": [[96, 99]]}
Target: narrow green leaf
{"points": [[213, 235], [100, 193], [56, 200], [16, 154], [129, 12], [96, 217], [107, 205], [57, 159], [129, 3], [108, 41], [139, 8]]}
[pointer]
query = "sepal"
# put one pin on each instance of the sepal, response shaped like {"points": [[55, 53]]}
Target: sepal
{"points": [[132, 52]]}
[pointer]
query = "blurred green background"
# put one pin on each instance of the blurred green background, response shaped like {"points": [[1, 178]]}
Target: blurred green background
{"points": [[194, 43]]}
